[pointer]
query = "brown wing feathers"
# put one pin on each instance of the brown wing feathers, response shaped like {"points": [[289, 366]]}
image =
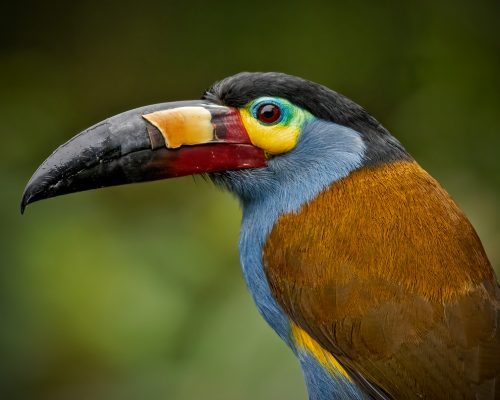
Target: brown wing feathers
{"points": [[385, 272]]}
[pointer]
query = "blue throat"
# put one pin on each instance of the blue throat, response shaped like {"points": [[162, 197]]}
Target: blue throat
{"points": [[325, 153]]}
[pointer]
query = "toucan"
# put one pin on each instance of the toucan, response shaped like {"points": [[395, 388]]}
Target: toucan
{"points": [[356, 257]]}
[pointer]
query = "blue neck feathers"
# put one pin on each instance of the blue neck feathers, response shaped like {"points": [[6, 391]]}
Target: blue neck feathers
{"points": [[325, 153]]}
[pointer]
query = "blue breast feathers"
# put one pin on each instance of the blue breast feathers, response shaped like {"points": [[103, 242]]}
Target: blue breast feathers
{"points": [[325, 153]]}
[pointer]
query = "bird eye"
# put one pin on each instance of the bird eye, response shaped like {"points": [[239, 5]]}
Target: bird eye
{"points": [[268, 113]]}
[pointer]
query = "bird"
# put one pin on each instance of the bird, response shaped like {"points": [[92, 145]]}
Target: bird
{"points": [[354, 255]]}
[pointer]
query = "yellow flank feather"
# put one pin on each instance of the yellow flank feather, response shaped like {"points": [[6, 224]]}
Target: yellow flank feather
{"points": [[326, 359], [273, 139]]}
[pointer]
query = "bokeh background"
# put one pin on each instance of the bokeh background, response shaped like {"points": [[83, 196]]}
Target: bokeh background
{"points": [[135, 292]]}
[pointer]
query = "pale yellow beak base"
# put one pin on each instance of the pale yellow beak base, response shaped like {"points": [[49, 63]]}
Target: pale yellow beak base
{"points": [[183, 125]]}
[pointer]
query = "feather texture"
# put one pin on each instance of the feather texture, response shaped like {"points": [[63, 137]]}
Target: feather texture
{"points": [[385, 272]]}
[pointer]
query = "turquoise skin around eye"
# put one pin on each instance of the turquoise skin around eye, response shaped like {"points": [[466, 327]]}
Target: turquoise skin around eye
{"points": [[281, 135], [287, 109]]}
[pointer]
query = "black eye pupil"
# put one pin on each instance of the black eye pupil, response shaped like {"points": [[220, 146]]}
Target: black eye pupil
{"points": [[268, 113]]}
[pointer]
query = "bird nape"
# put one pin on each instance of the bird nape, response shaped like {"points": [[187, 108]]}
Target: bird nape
{"points": [[355, 256]]}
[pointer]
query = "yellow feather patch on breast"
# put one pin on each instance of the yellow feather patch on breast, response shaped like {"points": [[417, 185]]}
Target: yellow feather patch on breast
{"points": [[326, 359]]}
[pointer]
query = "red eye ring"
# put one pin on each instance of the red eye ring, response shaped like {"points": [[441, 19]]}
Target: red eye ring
{"points": [[268, 113]]}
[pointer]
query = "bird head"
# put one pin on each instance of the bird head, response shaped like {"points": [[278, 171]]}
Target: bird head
{"points": [[253, 133]]}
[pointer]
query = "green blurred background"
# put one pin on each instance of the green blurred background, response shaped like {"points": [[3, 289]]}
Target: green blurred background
{"points": [[135, 292]]}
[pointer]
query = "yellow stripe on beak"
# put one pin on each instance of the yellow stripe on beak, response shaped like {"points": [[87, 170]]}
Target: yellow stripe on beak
{"points": [[183, 125]]}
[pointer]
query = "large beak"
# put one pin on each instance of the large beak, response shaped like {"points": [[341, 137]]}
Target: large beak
{"points": [[149, 143]]}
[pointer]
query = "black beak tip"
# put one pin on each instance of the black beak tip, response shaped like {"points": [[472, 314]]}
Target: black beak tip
{"points": [[33, 192], [26, 199], [24, 203]]}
